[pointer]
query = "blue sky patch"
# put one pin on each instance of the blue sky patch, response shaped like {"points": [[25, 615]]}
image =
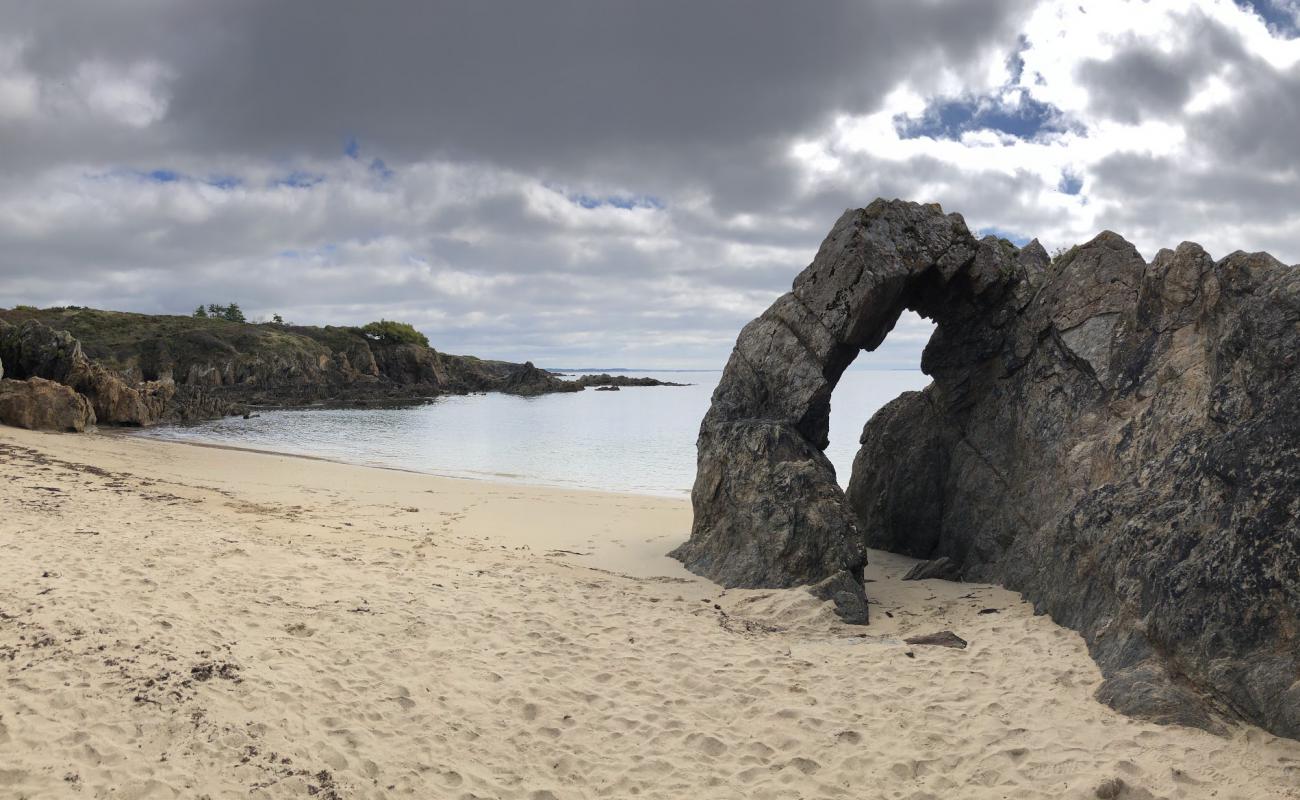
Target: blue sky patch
{"points": [[1070, 183], [351, 147], [1014, 238], [624, 202], [1016, 63], [163, 176], [950, 118], [1280, 19], [380, 169], [299, 180], [224, 181]]}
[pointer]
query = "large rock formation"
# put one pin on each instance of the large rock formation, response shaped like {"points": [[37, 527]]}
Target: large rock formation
{"points": [[42, 405], [1118, 441]]}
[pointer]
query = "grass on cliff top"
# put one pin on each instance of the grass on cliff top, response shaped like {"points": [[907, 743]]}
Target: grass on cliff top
{"points": [[124, 340]]}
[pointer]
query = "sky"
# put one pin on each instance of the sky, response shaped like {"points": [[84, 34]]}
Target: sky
{"points": [[611, 182]]}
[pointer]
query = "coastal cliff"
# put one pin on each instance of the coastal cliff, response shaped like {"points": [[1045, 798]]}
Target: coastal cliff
{"points": [[1118, 441], [139, 369]]}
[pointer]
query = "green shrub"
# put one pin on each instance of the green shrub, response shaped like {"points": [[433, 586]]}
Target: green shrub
{"points": [[389, 332]]}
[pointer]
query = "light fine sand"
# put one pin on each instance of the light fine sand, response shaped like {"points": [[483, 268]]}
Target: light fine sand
{"points": [[186, 622]]}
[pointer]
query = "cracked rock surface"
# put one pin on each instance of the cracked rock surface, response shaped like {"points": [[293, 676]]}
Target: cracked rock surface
{"points": [[1118, 441]]}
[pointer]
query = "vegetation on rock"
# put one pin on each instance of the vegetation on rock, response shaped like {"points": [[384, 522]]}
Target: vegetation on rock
{"points": [[389, 332]]}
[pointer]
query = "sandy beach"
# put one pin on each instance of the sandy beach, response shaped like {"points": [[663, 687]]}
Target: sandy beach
{"points": [[178, 621]]}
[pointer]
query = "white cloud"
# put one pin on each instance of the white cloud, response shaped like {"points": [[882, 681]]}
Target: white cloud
{"points": [[133, 96], [19, 89]]}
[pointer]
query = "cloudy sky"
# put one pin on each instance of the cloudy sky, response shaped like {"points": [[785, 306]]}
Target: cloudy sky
{"points": [[610, 182]]}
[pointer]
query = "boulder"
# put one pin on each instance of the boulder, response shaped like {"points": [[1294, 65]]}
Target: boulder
{"points": [[941, 568], [38, 404], [845, 592], [1116, 440], [940, 639]]}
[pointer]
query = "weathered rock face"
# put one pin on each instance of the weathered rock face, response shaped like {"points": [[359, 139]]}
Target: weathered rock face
{"points": [[1118, 441], [1129, 459], [42, 405]]}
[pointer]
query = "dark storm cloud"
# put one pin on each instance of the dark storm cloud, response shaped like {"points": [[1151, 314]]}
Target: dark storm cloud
{"points": [[1153, 84], [545, 85]]}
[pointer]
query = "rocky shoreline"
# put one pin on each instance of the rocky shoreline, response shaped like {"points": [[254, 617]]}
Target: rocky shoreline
{"points": [[137, 369]]}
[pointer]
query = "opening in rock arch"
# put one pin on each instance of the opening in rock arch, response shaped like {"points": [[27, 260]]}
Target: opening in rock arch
{"points": [[871, 381]]}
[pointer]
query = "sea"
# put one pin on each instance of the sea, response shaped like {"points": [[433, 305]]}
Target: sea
{"points": [[638, 439]]}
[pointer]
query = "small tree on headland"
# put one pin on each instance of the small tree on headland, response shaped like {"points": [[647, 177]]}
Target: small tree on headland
{"points": [[230, 313], [388, 332], [276, 319]]}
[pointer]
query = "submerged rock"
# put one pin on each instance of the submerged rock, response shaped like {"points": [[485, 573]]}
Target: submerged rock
{"points": [[1116, 440], [604, 379]]}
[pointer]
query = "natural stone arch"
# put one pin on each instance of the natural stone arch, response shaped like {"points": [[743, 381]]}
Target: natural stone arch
{"points": [[768, 509], [1116, 440]]}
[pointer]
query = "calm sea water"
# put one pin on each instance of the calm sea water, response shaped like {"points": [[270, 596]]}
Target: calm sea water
{"points": [[639, 439]]}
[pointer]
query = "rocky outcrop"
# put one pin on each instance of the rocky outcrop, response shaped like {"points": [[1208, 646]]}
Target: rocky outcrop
{"points": [[42, 405], [1116, 440], [33, 350], [529, 381]]}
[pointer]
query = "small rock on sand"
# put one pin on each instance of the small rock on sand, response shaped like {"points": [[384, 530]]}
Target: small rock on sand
{"points": [[940, 639]]}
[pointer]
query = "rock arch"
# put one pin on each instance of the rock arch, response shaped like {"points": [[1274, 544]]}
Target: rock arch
{"points": [[768, 509]]}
